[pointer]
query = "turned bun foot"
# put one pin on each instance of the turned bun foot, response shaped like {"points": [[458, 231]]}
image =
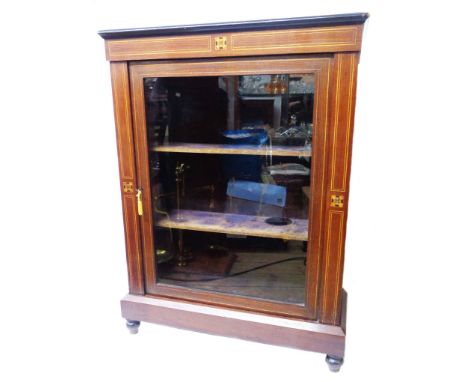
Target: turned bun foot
{"points": [[133, 326], [334, 363]]}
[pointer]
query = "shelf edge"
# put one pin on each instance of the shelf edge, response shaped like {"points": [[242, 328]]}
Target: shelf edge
{"points": [[231, 149], [240, 228]]}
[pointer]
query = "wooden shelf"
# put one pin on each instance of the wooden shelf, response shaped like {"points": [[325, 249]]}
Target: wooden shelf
{"points": [[202, 148], [237, 224]]}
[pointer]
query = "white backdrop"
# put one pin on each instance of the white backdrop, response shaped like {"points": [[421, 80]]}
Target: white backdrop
{"points": [[62, 269]]}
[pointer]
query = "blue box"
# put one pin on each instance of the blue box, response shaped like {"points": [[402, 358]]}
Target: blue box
{"points": [[257, 192]]}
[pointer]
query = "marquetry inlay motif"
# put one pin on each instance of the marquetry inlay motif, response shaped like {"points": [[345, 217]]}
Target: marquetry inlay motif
{"points": [[127, 186], [336, 201], [220, 43]]}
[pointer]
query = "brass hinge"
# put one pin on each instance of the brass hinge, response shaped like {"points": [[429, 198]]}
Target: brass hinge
{"points": [[220, 43], [139, 202], [336, 201]]}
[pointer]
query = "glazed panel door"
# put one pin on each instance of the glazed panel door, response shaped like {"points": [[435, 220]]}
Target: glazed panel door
{"points": [[231, 166]]}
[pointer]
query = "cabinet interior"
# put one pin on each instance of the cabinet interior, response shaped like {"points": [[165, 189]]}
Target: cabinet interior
{"points": [[229, 162]]}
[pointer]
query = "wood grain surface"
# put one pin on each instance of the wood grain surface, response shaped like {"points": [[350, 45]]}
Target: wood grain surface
{"points": [[345, 38], [125, 149], [339, 162], [250, 326], [249, 225], [201, 148]]}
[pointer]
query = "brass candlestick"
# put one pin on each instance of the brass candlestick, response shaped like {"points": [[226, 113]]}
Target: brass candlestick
{"points": [[212, 200], [184, 254], [180, 186]]}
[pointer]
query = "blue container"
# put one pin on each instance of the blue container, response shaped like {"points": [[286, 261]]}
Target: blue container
{"points": [[256, 137], [247, 167], [257, 192]]}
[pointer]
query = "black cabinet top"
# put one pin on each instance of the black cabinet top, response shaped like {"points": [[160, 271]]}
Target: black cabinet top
{"points": [[242, 26]]}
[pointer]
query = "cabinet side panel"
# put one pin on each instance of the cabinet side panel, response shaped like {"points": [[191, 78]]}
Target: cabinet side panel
{"points": [[123, 125], [339, 148]]}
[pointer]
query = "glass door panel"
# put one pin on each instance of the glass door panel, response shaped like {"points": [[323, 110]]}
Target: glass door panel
{"points": [[229, 170]]}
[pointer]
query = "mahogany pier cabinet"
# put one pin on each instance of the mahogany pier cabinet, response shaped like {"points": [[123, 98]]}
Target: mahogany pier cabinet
{"points": [[234, 145]]}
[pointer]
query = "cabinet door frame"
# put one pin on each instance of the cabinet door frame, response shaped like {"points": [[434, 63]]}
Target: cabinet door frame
{"points": [[321, 67]]}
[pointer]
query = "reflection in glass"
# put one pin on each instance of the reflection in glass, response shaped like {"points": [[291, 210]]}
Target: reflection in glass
{"points": [[230, 164]]}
